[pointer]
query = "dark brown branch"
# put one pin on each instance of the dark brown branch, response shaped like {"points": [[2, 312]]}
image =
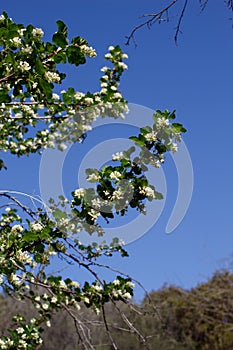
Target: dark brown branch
{"points": [[178, 31], [153, 18]]}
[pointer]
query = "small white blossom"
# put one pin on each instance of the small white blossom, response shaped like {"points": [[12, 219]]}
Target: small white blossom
{"points": [[118, 156], [80, 192], [52, 77], [151, 136], [17, 229], [127, 295], [111, 48], [162, 122], [36, 226], [115, 175], [37, 32], [93, 177], [147, 191], [94, 214], [56, 96], [123, 65], [24, 66]]}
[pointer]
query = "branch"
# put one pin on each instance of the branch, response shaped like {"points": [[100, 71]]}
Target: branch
{"points": [[153, 18], [178, 31]]}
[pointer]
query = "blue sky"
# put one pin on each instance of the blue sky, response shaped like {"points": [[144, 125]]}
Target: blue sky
{"points": [[195, 78]]}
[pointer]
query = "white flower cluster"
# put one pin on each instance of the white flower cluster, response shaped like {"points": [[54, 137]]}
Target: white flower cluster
{"points": [[16, 41], [24, 66], [151, 136], [115, 175], [118, 156], [93, 177], [52, 77], [37, 32], [147, 191], [36, 226], [162, 122], [80, 193], [17, 229], [94, 214], [88, 51]]}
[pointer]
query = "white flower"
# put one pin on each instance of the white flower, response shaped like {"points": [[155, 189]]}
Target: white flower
{"points": [[104, 85], [125, 55], [17, 229], [36, 226], [151, 136], [108, 55], [130, 284], [104, 91], [1, 279], [37, 32], [118, 156], [117, 95], [78, 95], [127, 295], [147, 191], [75, 284], [94, 214], [104, 69], [93, 177], [8, 209], [62, 284], [115, 175], [45, 306], [88, 100], [111, 48], [162, 122], [24, 66], [48, 323], [174, 147], [20, 330], [123, 65], [80, 192], [27, 49], [52, 77], [88, 51], [16, 41], [56, 96], [62, 147], [116, 282]]}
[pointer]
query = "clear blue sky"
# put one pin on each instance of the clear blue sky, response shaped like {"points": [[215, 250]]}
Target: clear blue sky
{"points": [[194, 78]]}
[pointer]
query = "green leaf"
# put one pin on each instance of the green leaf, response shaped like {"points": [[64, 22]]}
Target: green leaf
{"points": [[145, 130], [75, 56], [62, 28], [39, 67], [30, 236], [60, 40], [4, 97], [46, 88], [178, 127]]}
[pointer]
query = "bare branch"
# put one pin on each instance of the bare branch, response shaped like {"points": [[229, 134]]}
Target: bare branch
{"points": [[178, 31], [153, 18]]}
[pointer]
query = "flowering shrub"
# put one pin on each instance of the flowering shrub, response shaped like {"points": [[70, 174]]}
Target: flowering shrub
{"points": [[29, 238]]}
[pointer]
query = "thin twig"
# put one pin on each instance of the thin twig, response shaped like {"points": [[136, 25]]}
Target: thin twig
{"points": [[178, 31], [153, 17]]}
